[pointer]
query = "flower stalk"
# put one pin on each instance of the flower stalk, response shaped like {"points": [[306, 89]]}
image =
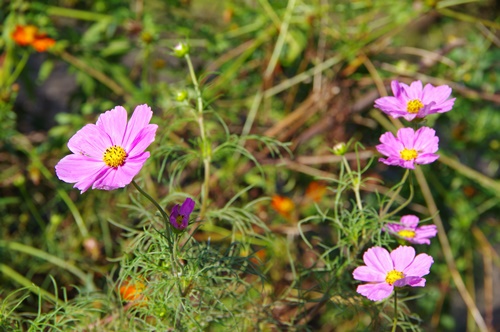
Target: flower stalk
{"points": [[155, 203], [205, 144], [395, 319]]}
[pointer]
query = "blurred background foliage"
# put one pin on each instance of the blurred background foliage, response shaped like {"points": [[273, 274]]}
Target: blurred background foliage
{"points": [[303, 72]]}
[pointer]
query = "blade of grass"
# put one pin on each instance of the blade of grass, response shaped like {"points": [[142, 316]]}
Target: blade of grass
{"points": [[85, 278], [12, 274]]}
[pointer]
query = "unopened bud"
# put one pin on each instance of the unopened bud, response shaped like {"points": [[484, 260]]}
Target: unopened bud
{"points": [[339, 149], [181, 95], [181, 49]]}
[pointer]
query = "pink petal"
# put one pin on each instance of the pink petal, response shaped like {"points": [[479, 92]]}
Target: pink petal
{"points": [[426, 140], [90, 141], [419, 267], [438, 94], [426, 158], [365, 273], [390, 105], [410, 164], [426, 110], [407, 137], [427, 94], [143, 139], [121, 176], [140, 119], [394, 228], [375, 292], [445, 106], [410, 281], [391, 161], [396, 88], [402, 256], [410, 116], [426, 231], [390, 145], [80, 170], [409, 221], [415, 90], [114, 123], [419, 240], [378, 259]]}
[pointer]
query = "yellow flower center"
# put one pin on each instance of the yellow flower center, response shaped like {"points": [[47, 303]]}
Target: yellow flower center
{"points": [[114, 156], [408, 154], [393, 276], [413, 106], [407, 233]]}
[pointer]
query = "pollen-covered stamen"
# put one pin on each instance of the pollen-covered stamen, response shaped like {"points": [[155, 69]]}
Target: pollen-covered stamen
{"points": [[406, 233], [408, 154], [413, 106], [179, 219], [393, 276], [114, 156]]}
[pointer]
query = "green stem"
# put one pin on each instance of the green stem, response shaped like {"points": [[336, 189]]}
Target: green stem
{"points": [[402, 206], [74, 211], [160, 209], [98, 75], [355, 183], [281, 38], [205, 145], [395, 319], [77, 14], [17, 71], [396, 193]]}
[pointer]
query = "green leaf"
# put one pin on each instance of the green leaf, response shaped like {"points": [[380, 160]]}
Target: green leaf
{"points": [[45, 70]]}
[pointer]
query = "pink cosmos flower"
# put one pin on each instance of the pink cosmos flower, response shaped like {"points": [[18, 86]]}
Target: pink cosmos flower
{"points": [[180, 215], [384, 271], [107, 155], [409, 147], [412, 101], [407, 229]]}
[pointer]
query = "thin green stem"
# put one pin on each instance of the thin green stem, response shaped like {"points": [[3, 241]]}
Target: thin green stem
{"points": [[160, 209], [98, 75], [402, 206], [281, 38], [356, 182], [205, 144], [396, 193], [395, 319], [17, 71], [77, 14]]}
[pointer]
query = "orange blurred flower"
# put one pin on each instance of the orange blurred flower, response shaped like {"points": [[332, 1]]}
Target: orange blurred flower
{"points": [[259, 257], [25, 35], [132, 291], [283, 205], [315, 191], [43, 43]]}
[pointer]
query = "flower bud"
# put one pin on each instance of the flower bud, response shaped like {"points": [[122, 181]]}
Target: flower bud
{"points": [[181, 95], [181, 49], [339, 149]]}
